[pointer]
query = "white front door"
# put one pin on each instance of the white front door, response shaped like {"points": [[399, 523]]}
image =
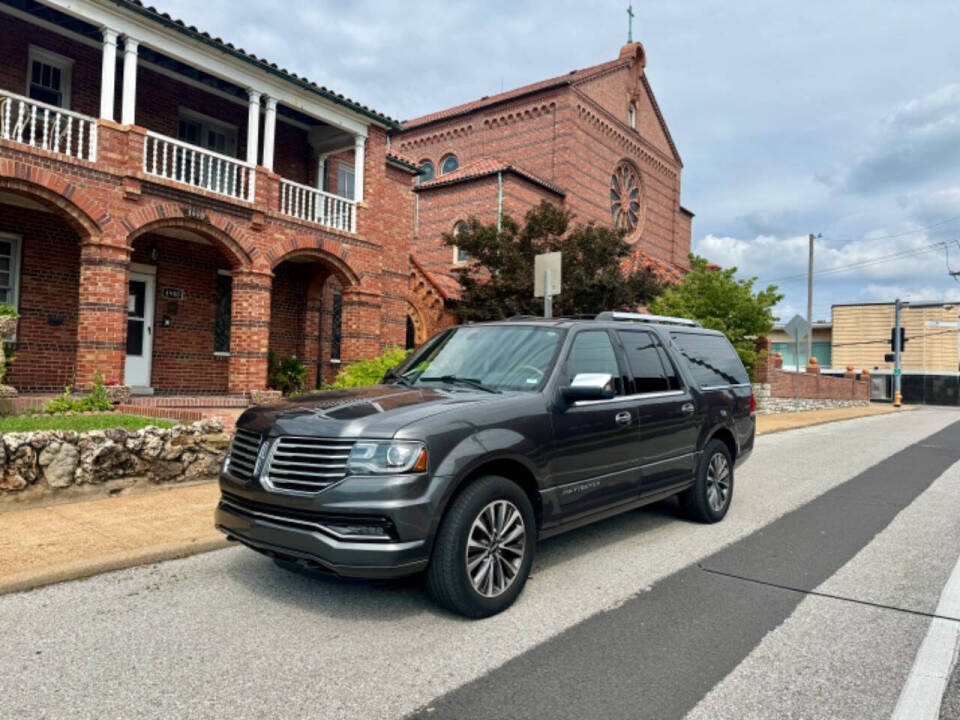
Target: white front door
{"points": [[139, 330]]}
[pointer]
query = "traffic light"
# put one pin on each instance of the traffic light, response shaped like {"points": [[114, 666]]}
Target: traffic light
{"points": [[893, 338]]}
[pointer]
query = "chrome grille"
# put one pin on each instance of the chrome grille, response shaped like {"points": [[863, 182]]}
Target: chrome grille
{"points": [[243, 454], [304, 464]]}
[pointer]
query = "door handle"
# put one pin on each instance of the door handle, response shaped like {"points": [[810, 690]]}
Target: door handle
{"points": [[687, 408], [623, 418]]}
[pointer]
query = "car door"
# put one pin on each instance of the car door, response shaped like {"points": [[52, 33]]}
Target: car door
{"points": [[592, 464], [666, 434]]}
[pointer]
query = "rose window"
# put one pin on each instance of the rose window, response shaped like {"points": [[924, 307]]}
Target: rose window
{"points": [[626, 200]]}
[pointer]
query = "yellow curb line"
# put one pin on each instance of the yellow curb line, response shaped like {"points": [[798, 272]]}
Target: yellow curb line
{"points": [[20, 582]]}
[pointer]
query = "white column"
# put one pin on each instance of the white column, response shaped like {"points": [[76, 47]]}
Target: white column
{"points": [[253, 126], [269, 128], [108, 72], [129, 104], [321, 169], [358, 145]]}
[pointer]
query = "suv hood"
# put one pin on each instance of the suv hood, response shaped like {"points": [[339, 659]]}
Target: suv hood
{"points": [[375, 411]]}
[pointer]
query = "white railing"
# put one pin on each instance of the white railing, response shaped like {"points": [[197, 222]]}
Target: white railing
{"points": [[313, 205], [195, 166], [47, 127]]}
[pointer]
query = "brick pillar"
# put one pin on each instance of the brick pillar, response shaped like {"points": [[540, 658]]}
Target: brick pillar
{"points": [[360, 338], [249, 331], [102, 311], [310, 332]]}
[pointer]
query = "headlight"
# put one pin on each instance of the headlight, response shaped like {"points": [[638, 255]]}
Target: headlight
{"points": [[387, 456]]}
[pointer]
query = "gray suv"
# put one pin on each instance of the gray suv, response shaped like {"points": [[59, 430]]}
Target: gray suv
{"points": [[485, 440]]}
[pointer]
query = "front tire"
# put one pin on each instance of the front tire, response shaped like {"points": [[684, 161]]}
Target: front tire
{"points": [[709, 499], [484, 549]]}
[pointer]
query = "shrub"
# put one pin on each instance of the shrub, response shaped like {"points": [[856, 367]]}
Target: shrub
{"points": [[369, 372], [96, 401], [285, 374], [8, 310]]}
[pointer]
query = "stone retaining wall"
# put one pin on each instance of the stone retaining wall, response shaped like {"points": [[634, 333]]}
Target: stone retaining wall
{"points": [[46, 463], [767, 404]]}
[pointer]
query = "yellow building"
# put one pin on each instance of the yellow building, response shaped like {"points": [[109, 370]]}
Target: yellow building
{"points": [[861, 336]]}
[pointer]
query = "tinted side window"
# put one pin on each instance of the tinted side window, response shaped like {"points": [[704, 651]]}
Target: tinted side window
{"points": [[592, 352], [647, 371], [711, 359]]}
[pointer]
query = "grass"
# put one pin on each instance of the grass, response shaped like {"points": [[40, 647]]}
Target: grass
{"points": [[80, 423]]}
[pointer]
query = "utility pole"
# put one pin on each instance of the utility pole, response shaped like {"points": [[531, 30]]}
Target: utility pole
{"points": [[897, 396], [810, 299]]}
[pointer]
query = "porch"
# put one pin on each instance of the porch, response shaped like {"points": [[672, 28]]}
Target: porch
{"points": [[199, 129]]}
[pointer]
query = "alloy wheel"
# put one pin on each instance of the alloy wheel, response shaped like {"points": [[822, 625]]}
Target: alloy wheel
{"points": [[495, 548], [718, 482]]}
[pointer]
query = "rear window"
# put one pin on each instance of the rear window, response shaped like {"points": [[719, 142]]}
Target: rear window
{"points": [[711, 359]]}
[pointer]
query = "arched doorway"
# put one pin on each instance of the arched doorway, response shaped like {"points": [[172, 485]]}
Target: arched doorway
{"points": [[180, 308], [306, 313], [40, 238]]}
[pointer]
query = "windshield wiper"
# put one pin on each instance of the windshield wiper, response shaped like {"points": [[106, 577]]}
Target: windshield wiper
{"points": [[456, 380]]}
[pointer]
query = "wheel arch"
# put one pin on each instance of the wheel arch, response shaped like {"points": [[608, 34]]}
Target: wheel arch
{"points": [[726, 436], [508, 467]]}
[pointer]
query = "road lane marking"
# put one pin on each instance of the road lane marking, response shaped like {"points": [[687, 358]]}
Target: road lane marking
{"points": [[923, 692]]}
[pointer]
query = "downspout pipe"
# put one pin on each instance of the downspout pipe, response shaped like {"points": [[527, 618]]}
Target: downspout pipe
{"points": [[499, 200]]}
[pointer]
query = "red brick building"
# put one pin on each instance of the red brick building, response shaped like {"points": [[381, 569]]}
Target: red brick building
{"points": [[172, 207], [592, 140]]}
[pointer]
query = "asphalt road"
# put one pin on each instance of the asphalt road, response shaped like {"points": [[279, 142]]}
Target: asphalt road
{"points": [[810, 600]]}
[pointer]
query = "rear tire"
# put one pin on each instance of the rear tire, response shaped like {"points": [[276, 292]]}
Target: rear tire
{"points": [[709, 499], [484, 549]]}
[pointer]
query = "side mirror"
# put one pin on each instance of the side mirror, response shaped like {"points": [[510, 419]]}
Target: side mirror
{"points": [[589, 386]]}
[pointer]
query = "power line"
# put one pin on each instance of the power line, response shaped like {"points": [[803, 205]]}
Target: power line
{"points": [[867, 263], [904, 233]]}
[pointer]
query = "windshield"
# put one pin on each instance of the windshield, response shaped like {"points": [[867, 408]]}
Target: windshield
{"points": [[494, 357]]}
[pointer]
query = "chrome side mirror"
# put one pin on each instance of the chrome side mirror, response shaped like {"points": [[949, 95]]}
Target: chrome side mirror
{"points": [[589, 386]]}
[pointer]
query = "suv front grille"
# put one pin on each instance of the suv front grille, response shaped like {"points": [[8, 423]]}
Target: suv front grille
{"points": [[305, 464], [243, 454]]}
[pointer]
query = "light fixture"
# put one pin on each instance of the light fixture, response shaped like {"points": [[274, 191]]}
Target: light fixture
{"points": [[154, 253]]}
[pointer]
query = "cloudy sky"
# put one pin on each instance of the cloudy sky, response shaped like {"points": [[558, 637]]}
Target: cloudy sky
{"points": [[839, 117]]}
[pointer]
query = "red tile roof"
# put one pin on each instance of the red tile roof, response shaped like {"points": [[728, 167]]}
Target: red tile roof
{"points": [[484, 167], [407, 162], [574, 76], [664, 271]]}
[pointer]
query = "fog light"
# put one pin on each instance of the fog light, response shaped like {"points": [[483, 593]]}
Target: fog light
{"points": [[360, 529]]}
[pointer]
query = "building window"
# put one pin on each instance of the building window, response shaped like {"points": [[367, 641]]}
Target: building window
{"points": [[632, 115], [48, 77], [336, 327], [449, 164], [627, 200], [345, 181], [221, 321], [9, 269], [460, 255], [426, 172], [206, 132]]}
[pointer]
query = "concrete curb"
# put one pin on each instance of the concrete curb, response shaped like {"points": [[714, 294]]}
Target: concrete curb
{"points": [[21, 582]]}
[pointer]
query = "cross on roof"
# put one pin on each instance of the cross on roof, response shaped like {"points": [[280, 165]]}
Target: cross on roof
{"points": [[630, 23]]}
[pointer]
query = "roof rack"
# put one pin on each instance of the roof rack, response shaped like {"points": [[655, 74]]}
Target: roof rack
{"points": [[643, 317]]}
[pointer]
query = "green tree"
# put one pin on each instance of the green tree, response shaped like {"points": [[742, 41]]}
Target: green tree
{"points": [[498, 281], [717, 300]]}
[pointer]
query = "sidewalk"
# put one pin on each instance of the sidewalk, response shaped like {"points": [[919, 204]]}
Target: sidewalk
{"points": [[39, 546]]}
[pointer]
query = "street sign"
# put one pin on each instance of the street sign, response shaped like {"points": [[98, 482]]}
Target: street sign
{"points": [[896, 371], [797, 328], [942, 323], [543, 264]]}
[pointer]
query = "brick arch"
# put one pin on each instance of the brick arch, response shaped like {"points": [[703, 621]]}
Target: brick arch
{"points": [[424, 297], [88, 217], [332, 255], [233, 241], [420, 330]]}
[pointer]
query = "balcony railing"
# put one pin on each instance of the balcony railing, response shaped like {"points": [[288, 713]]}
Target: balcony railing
{"points": [[47, 127], [195, 166], [313, 205]]}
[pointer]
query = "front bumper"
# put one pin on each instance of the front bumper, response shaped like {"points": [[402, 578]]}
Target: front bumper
{"points": [[294, 538]]}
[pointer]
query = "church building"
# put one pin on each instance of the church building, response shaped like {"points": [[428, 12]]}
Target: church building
{"points": [[592, 140]]}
